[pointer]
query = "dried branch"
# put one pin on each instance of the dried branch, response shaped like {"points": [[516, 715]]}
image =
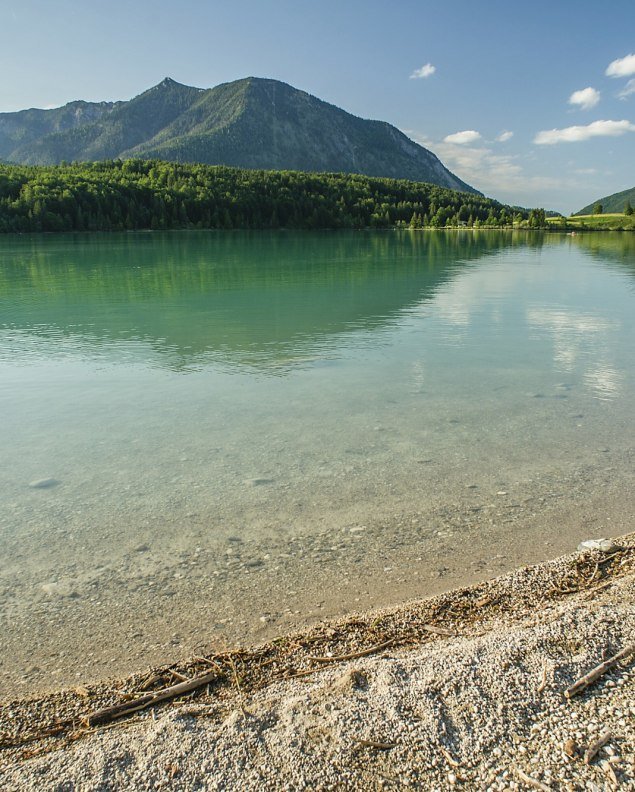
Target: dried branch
{"points": [[143, 702], [588, 679]]}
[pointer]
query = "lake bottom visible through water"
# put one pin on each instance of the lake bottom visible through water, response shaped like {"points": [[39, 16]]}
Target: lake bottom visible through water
{"points": [[213, 439]]}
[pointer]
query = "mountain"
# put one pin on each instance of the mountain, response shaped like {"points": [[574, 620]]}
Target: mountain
{"points": [[26, 127], [612, 203], [251, 123]]}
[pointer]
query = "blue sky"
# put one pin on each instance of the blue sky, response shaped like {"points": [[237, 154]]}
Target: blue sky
{"points": [[492, 69]]}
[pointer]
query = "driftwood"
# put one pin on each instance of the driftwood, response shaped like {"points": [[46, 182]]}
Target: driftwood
{"points": [[354, 655], [143, 702], [588, 679], [591, 751]]}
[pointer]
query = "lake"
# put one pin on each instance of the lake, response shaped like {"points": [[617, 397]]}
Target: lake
{"points": [[209, 438]]}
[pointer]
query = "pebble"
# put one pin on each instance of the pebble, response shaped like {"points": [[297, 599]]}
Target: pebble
{"points": [[44, 483], [61, 589], [604, 545]]}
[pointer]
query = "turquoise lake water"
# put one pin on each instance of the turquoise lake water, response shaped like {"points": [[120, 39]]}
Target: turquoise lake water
{"points": [[276, 426]]}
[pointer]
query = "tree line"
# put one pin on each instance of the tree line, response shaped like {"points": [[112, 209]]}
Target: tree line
{"points": [[151, 194]]}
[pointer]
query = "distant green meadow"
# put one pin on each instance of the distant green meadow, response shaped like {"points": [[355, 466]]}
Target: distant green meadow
{"points": [[594, 222]]}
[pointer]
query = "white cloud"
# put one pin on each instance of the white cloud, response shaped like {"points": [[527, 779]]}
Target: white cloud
{"points": [[573, 134], [493, 173], [504, 136], [627, 90], [586, 98], [461, 138], [622, 67], [425, 71]]}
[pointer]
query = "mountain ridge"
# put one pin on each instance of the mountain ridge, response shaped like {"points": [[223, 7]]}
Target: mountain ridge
{"points": [[613, 203], [254, 122]]}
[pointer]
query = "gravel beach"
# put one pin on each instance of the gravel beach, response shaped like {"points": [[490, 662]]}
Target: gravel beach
{"points": [[465, 690]]}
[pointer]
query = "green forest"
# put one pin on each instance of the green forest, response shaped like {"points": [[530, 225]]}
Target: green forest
{"points": [[150, 194]]}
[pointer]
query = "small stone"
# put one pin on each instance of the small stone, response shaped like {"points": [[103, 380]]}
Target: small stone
{"points": [[44, 483], [603, 545], [59, 589]]}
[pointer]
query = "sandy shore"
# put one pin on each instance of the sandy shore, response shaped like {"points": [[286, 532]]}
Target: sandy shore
{"points": [[462, 690]]}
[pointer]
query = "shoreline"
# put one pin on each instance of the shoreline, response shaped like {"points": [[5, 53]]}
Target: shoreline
{"points": [[531, 631], [64, 638], [566, 230]]}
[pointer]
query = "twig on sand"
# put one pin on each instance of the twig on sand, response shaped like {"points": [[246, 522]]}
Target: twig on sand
{"points": [[353, 655], [299, 674], [591, 578], [128, 707], [209, 661], [449, 758], [432, 628], [610, 557], [531, 781], [595, 673], [594, 589], [592, 750], [179, 675], [148, 682], [381, 746], [239, 690]]}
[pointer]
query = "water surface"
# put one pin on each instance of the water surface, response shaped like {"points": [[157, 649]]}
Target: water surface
{"points": [[236, 433]]}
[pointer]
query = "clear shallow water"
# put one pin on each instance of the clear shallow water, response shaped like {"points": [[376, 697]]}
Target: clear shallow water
{"points": [[273, 423]]}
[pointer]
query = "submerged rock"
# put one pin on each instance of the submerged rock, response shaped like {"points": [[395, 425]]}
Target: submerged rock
{"points": [[63, 589], [44, 483]]}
